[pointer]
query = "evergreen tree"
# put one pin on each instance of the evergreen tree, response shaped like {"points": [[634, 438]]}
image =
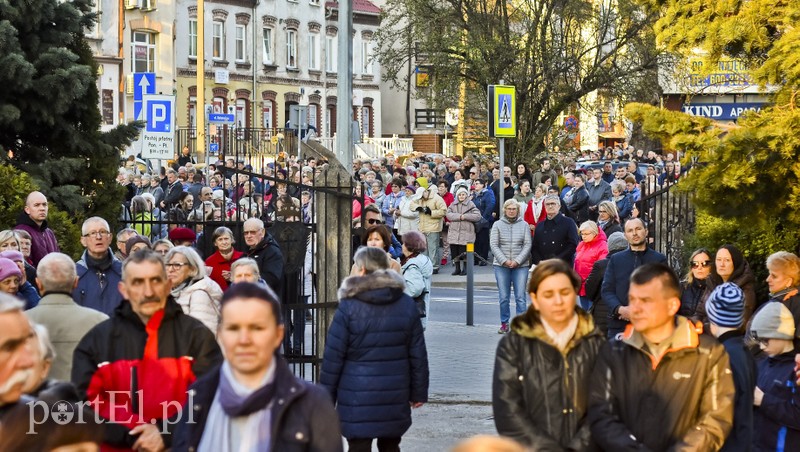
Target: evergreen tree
{"points": [[49, 114]]}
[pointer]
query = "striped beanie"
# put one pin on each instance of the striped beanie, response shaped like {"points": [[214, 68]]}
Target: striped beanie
{"points": [[725, 306]]}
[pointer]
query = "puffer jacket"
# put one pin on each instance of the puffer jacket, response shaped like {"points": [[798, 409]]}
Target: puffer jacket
{"points": [[693, 298], [586, 254], [776, 423], [201, 301], [375, 360], [539, 394], [407, 220], [510, 240], [633, 403], [417, 274], [462, 231], [430, 222]]}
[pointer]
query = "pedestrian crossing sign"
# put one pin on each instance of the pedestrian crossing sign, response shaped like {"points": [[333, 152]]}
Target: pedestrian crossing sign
{"points": [[502, 111]]}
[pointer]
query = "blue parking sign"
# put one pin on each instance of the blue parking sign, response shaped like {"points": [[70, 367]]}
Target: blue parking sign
{"points": [[159, 115]]}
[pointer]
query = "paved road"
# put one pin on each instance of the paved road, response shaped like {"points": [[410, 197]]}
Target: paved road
{"points": [[450, 305]]}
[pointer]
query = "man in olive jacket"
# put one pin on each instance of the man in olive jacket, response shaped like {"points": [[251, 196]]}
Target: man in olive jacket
{"points": [[663, 385]]}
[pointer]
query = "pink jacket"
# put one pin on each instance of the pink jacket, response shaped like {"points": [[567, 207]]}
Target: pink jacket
{"points": [[587, 254]]}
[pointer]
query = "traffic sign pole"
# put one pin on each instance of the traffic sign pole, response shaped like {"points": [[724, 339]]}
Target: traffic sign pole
{"points": [[200, 98]]}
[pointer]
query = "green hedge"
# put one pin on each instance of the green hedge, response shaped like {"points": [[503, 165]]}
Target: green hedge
{"points": [[65, 225]]}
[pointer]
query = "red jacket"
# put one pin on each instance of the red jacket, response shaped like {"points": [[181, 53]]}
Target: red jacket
{"points": [[218, 264], [528, 217], [587, 254]]}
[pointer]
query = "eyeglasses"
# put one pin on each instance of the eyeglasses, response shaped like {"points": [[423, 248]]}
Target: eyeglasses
{"points": [[704, 264], [176, 265], [100, 234], [374, 221]]}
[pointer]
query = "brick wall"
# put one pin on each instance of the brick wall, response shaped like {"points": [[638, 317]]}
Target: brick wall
{"points": [[427, 143]]}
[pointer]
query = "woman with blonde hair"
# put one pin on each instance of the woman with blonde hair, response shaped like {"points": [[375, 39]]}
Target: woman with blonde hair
{"points": [[784, 280], [608, 218]]}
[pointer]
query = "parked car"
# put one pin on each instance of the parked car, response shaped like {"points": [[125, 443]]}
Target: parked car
{"points": [[588, 165]]}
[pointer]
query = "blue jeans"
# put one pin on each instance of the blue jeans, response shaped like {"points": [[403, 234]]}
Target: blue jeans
{"points": [[505, 277]]}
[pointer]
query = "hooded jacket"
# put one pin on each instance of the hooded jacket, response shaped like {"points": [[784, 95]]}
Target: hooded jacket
{"points": [[302, 420], [119, 355], [681, 400], [270, 261], [540, 394], [586, 254], [43, 240], [430, 222], [462, 230], [776, 423], [375, 359]]}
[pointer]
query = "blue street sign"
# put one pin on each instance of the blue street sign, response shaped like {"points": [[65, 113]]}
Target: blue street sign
{"points": [[221, 118], [159, 116], [213, 147], [143, 83]]}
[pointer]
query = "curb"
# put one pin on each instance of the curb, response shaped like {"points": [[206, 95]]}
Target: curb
{"points": [[462, 285]]}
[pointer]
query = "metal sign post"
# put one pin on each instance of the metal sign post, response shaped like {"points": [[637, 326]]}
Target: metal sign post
{"points": [[470, 264], [502, 124]]}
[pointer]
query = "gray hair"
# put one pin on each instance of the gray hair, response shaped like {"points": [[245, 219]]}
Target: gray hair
{"points": [[245, 262], [125, 234], [590, 226], [56, 273], [256, 221], [220, 231], [618, 186], [10, 303], [371, 259], [46, 349], [92, 220], [552, 198], [195, 261]]}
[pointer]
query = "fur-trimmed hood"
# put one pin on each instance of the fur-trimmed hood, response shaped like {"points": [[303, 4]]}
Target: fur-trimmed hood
{"points": [[380, 286], [529, 325]]}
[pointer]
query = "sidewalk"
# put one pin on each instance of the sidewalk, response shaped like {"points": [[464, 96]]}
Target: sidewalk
{"points": [[461, 362], [483, 278]]}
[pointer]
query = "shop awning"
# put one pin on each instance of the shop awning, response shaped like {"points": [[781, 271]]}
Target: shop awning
{"points": [[612, 135]]}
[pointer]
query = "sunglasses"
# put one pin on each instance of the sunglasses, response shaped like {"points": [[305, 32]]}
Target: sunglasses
{"points": [[704, 264], [374, 221]]}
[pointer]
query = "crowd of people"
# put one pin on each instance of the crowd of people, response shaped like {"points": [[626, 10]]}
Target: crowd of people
{"points": [[164, 344]]}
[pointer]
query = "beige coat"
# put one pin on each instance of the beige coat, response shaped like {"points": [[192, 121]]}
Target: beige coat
{"points": [[462, 231], [431, 222]]}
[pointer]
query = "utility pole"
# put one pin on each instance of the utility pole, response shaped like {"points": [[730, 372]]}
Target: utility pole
{"points": [[200, 102], [344, 85]]}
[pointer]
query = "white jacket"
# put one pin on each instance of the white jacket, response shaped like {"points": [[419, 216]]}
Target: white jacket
{"points": [[201, 301], [408, 220]]}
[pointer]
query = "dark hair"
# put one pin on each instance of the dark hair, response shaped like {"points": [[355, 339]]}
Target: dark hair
{"points": [[648, 272], [143, 255], [550, 267], [250, 290], [383, 231], [415, 241], [399, 182], [463, 174], [372, 208]]}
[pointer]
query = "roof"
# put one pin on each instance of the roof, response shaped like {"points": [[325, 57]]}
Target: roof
{"points": [[361, 6]]}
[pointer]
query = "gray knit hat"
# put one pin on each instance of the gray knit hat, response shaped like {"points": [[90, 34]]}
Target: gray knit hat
{"points": [[616, 242], [773, 321], [725, 306]]}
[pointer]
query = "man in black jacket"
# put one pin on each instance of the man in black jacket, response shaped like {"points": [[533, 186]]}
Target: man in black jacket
{"points": [[173, 192], [556, 236], [279, 411], [263, 248], [663, 385], [135, 368], [620, 267]]}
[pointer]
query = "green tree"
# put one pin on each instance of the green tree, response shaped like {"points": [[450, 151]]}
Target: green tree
{"points": [[554, 51], [49, 115]]}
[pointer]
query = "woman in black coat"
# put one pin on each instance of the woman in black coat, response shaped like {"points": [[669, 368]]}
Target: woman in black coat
{"points": [[542, 368], [579, 204], [375, 364]]}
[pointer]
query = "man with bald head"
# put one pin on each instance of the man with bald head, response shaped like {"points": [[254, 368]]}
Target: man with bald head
{"points": [[33, 220], [66, 321]]}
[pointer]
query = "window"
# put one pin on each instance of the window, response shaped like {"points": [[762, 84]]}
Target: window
{"points": [[218, 105], [268, 46], [266, 114], [354, 66], [218, 40], [313, 116], [241, 49], [330, 53], [241, 113], [291, 48], [365, 121], [313, 51], [366, 58], [330, 120], [143, 49], [192, 116], [192, 38]]}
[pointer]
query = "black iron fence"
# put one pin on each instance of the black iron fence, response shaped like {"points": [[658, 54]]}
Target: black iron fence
{"points": [[306, 209], [670, 217]]}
